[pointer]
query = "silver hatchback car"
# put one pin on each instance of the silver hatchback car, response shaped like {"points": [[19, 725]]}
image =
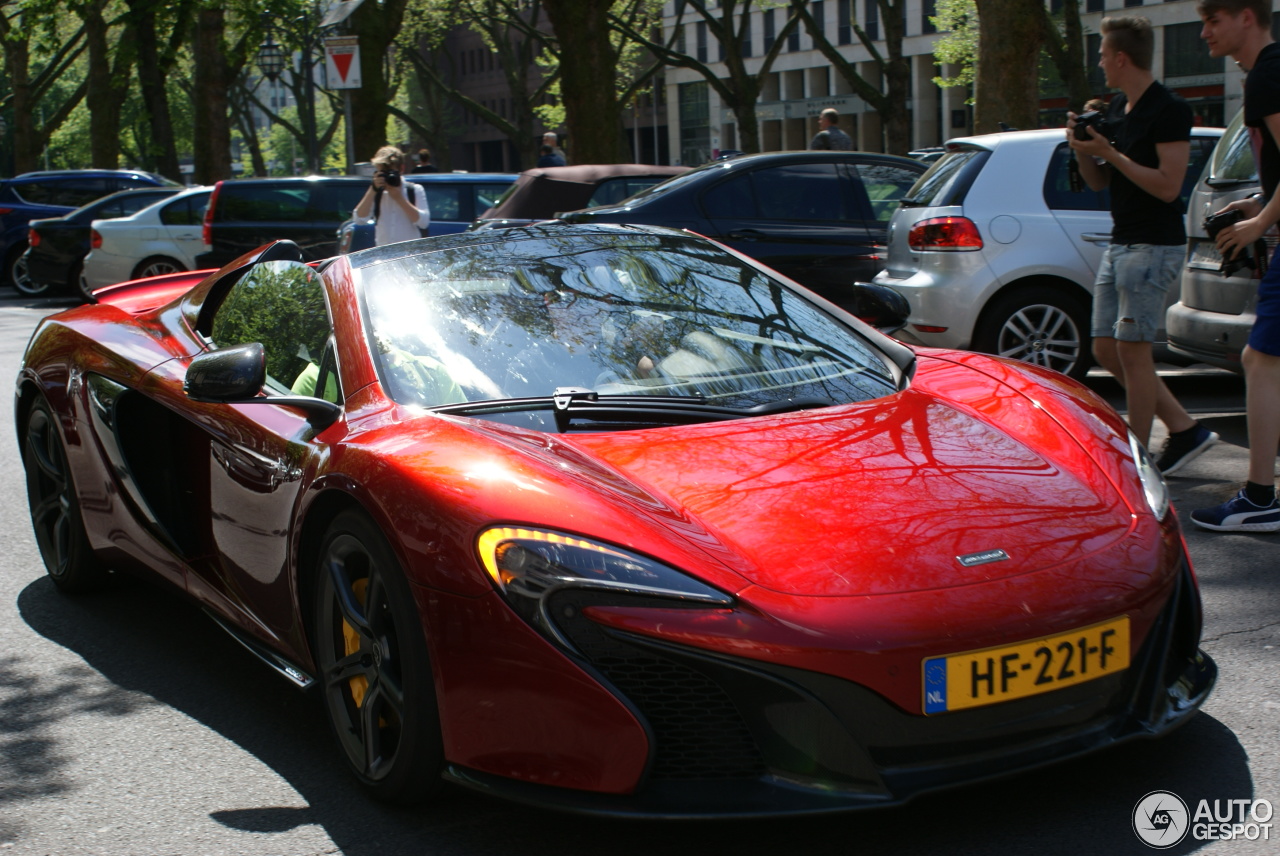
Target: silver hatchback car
{"points": [[996, 252], [1211, 321]]}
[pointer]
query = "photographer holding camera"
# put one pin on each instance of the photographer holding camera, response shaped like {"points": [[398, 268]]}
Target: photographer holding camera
{"points": [[1144, 167], [1241, 29], [399, 208]]}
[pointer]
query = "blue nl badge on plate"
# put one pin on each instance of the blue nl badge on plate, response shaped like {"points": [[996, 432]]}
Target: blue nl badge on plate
{"points": [[935, 685]]}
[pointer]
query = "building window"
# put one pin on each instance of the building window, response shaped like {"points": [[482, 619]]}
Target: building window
{"points": [[770, 32], [871, 23], [1132, 2], [820, 16], [929, 10], [793, 39], [746, 34], [702, 41], [1095, 5], [844, 22], [1185, 54], [695, 123]]}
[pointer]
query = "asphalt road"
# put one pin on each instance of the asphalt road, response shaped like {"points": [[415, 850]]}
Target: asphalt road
{"points": [[129, 725]]}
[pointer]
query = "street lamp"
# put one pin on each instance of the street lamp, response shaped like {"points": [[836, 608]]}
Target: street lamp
{"points": [[271, 59]]}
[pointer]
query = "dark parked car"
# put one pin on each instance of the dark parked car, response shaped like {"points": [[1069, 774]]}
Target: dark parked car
{"points": [[455, 200], [34, 195], [57, 246], [820, 218], [244, 214], [541, 194]]}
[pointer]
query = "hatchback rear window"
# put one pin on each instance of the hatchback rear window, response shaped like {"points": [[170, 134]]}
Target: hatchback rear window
{"points": [[1233, 158], [947, 181]]}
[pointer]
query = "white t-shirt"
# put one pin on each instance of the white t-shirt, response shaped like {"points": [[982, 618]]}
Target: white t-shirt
{"points": [[393, 225]]}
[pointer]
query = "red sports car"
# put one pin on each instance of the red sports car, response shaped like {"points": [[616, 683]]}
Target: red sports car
{"points": [[613, 519]]}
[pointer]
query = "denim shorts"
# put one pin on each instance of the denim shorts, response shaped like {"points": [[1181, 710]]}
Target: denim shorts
{"points": [[1129, 294]]}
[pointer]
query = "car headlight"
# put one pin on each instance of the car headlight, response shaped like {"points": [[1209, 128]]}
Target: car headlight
{"points": [[528, 566], [1153, 486]]}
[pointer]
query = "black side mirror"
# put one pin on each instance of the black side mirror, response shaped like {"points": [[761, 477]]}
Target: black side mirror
{"points": [[238, 375], [880, 306], [228, 374]]}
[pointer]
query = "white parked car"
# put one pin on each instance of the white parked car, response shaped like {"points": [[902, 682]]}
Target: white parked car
{"points": [[996, 252], [161, 238]]}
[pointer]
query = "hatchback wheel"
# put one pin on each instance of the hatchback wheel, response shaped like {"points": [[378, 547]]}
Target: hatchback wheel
{"points": [[1042, 326], [374, 666]]}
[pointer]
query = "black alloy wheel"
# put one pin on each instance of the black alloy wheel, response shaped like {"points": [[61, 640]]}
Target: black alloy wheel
{"points": [[375, 669], [55, 512]]}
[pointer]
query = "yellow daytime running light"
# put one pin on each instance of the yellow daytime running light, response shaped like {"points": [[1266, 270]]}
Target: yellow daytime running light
{"points": [[491, 540]]}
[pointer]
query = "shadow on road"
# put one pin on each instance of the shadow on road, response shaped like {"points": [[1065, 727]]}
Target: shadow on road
{"points": [[154, 647]]}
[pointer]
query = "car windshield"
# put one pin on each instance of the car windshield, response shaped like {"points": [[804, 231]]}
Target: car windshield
{"points": [[677, 181], [608, 316]]}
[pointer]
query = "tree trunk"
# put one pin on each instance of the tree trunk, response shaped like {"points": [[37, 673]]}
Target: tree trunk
{"points": [[212, 124], [25, 138], [151, 80], [593, 114], [376, 25], [1007, 75], [104, 118]]}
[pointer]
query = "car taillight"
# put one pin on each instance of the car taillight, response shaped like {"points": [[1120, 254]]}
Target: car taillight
{"points": [[95, 239], [33, 238], [945, 234], [206, 234]]}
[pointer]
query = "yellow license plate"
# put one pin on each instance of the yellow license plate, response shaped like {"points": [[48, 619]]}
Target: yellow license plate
{"points": [[992, 675]]}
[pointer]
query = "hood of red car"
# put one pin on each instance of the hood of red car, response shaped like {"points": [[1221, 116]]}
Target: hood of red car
{"points": [[907, 493]]}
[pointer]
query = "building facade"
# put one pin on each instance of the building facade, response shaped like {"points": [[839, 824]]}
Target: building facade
{"points": [[802, 82]]}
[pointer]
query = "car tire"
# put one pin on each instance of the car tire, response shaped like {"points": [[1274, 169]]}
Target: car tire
{"points": [[157, 266], [1040, 325], [374, 666], [21, 278], [55, 509]]}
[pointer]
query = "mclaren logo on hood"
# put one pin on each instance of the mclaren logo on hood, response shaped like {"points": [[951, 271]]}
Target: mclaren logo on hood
{"points": [[982, 558]]}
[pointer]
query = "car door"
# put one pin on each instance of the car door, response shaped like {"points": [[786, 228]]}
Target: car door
{"points": [[180, 225], [802, 219], [260, 454], [1083, 214]]}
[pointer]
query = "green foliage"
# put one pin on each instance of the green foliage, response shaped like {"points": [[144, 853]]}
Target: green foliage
{"points": [[958, 21]]}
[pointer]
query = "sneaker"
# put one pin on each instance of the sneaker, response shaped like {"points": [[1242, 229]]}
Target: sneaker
{"points": [[1239, 515], [1178, 450]]}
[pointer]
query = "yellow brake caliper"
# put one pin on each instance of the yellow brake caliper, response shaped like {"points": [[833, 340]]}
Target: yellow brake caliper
{"points": [[359, 684]]}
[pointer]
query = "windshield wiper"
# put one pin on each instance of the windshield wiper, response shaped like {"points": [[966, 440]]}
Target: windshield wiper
{"points": [[572, 403]]}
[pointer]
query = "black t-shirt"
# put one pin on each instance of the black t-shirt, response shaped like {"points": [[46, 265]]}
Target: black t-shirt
{"points": [[1262, 99], [1159, 116]]}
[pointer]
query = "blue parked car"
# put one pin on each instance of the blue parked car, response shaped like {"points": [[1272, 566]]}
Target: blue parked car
{"points": [[455, 198], [36, 195]]}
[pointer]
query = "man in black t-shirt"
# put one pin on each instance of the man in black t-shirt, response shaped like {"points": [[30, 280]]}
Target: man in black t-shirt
{"points": [[1144, 167], [1241, 29]]}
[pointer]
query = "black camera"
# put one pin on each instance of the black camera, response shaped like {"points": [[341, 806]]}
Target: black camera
{"points": [[391, 177], [1095, 119], [1215, 223]]}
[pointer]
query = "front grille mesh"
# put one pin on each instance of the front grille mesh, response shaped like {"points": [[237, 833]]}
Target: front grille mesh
{"points": [[698, 731]]}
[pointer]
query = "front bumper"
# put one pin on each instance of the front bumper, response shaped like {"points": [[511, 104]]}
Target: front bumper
{"points": [[735, 737]]}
